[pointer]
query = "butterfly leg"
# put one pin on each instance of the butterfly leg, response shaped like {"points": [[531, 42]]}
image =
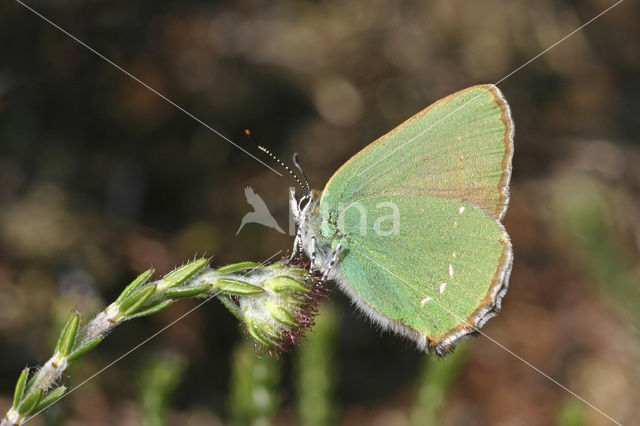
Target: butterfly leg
{"points": [[312, 255], [332, 262], [296, 244]]}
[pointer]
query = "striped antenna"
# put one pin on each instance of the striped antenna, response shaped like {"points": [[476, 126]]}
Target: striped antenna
{"points": [[296, 161], [265, 150]]}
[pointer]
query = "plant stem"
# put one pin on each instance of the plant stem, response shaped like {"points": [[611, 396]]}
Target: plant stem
{"points": [[275, 302]]}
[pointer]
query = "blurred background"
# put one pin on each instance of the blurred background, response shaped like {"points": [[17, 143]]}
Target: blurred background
{"points": [[100, 179]]}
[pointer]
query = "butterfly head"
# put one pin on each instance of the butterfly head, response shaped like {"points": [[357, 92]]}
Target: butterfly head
{"points": [[302, 206]]}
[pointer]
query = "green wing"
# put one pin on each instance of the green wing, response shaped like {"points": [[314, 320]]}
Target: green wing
{"points": [[440, 274], [460, 147]]}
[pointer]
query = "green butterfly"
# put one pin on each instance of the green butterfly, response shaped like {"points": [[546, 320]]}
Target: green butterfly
{"points": [[410, 226]]}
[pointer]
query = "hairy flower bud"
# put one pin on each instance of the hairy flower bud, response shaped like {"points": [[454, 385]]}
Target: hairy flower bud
{"points": [[280, 305]]}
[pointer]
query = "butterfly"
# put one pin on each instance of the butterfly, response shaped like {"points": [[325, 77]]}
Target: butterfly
{"points": [[410, 227]]}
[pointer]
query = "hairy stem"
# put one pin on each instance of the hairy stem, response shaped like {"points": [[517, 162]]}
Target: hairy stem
{"points": [[275, 302]]}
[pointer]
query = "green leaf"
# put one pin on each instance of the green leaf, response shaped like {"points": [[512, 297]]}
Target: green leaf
{"points": [[293, 272], [130, 304], [20, 385], [50, 398], [257, 334], [281, 315], [263, 333], [30, 402], [297, 273], [177, 293], [270, 332], [236, 267], [68, 335], [84, 348], [284, 283], [182, 274], [62, 334], [153, 309], [141, 279], [230, 285]]}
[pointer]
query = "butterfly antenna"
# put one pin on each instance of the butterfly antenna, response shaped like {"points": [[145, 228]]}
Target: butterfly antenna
{"points": [[265, 150], [296, 161]]}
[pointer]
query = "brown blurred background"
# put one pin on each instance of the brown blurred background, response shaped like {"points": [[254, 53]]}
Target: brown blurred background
{"points": [[100, 179]]}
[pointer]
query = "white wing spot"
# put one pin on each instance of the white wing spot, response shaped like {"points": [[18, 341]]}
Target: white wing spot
{"points": [[461, 210], [455, 223], [442, 287], [450, 270], [425, 301]]}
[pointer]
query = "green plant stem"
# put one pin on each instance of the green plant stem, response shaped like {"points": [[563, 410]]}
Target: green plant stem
{"points": [[434, 384], [252, 389], [232, 284], [315, 375], [158, 381]]}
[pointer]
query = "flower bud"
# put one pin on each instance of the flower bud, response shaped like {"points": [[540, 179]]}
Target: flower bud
{"points": [[276, 316]]}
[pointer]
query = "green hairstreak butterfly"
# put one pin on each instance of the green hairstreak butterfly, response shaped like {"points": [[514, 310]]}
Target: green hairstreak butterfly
{"points": [[410, 226]]}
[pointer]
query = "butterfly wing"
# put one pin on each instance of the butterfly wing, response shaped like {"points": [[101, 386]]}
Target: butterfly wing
{"points": [[460, 147], [439, 274], [447, 171]]}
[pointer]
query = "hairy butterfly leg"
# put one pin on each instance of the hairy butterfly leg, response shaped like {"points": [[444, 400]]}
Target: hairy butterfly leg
{"points": [[332, 262]]}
